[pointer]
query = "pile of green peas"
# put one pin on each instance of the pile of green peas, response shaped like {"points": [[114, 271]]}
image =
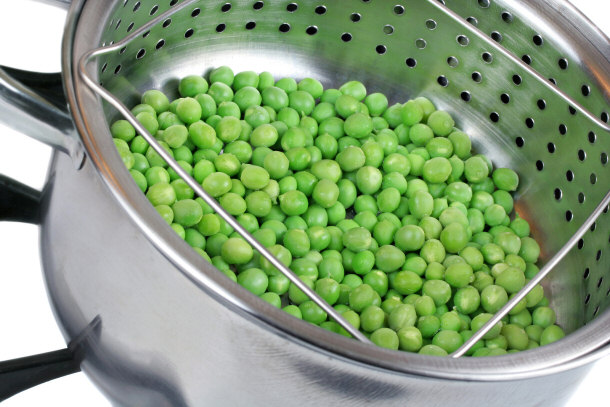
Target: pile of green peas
{"points": [[382, 209]]}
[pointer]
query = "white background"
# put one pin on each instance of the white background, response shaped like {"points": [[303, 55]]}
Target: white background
{"points": [[30, 35]]}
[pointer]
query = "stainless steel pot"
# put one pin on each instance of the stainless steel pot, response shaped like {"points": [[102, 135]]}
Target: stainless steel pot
{"points": [[154, 324]]}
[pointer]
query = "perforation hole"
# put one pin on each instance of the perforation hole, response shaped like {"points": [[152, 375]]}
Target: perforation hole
{"points": [[541, 103], [563, 129], [593, 227], [130, 26], [381, 49], [398, 10], [430, 24], [494, 117], [598, 256], [452, 62], [225, 7], [195, 12], [571, 110], [104, 67], [258, 5], [569, 216], [517, 79], [462, 40], [292, 7], [587, 299], [527, 59], [537, 40], [507, 17], [442, 80], [484, 3], [117, 69], [599, 282], [569, 175], [476, 76], [582, 155], [420, 43], [596, 310], [550, 147], [346, 37], [563, 63], [411, 62], [558, 194], [539, 165], [487, 57], [220, 27], [519, 142], [167, 23], [146, 34], [496, 36], [581, 197], [311, 30], [136, 6], [593, 178], [505, 98], [388, 29], [141, 53], [118, 24], [284, 27], [472, 20], [465, 95], [320, 10], [586, 90], [604, 158], [355, 17], [586, 273], [189, 33], [154, 10], [250, 25], [529, 122], [604, 117], [172, 3], [160, 44], [553, 81]]}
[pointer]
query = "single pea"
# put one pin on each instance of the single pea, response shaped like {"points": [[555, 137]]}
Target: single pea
{"points": [[217, 184], [161, 193], [420, 134], [530, 250], [512, 279], [544, 316], [377, 103], [362, 296], [421, 204], [372, 318], [454, 237], [351, 159], [551, 334], [187, 212], [505, 179], [327, 169], [428, 325], [389, 258], [254, 280], [411, 113], [459, 275], [409, 339], [388, 200], [236, 251], [441, 123]]}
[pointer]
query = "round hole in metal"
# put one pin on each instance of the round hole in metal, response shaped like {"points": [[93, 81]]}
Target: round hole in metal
{"points": [[586, 273], [136, 6], [154, 10], [381, 49], [541, 104], [220, 27], [582, 155], [452, 61], [505, 98], [563, 63], [569, 216], [420, 43], [320, 10], [593, 227], [476, 76], [411, 62], [141, 53], [258, 5], [117, 69], [558, 194], [496, 36], [166, 23], [599, 282], [507, 17], [250, 25], [355, 17], [553, 81], [571, 110], [311, 30], [189, 33], [550, 147], [581, 197], [569, 175], [527, 59], [494, 117], [604, 117], [462, 40], [442, 80], [487, 57], [465, 95], [472, 20], [225, 7], [195, 12], [398, 9], [537, 39], [529, 122], [104, 67], [563, 129], [539, 165], [603, 158], [388, 29], [598, 256], [346, 37], [517, 79], [160, 44], [430, 24], [519, 142], [292, 7], [484, 3], [586, 90], [593, 178], [284, 27]]}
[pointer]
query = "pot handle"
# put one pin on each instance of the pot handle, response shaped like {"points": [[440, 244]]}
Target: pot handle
{"points": [[21, 203]]}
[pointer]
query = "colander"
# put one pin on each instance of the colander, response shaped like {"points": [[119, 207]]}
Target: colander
{"points": [[155, 324]]}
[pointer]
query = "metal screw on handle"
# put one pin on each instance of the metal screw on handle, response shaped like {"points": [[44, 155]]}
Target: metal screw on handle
{"points": [[109, 97], [548, 267]]}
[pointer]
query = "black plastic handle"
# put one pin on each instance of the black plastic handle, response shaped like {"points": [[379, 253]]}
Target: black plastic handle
{"points": [[19, 202]]}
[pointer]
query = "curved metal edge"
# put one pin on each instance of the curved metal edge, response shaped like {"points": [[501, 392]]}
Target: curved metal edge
{"points": [[270, 318]]}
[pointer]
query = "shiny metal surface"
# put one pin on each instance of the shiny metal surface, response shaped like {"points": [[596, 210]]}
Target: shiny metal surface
{"points": [[174, 331]]}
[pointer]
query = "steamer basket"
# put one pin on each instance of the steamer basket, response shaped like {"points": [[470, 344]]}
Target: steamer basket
{"points": [[533, 97]]}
